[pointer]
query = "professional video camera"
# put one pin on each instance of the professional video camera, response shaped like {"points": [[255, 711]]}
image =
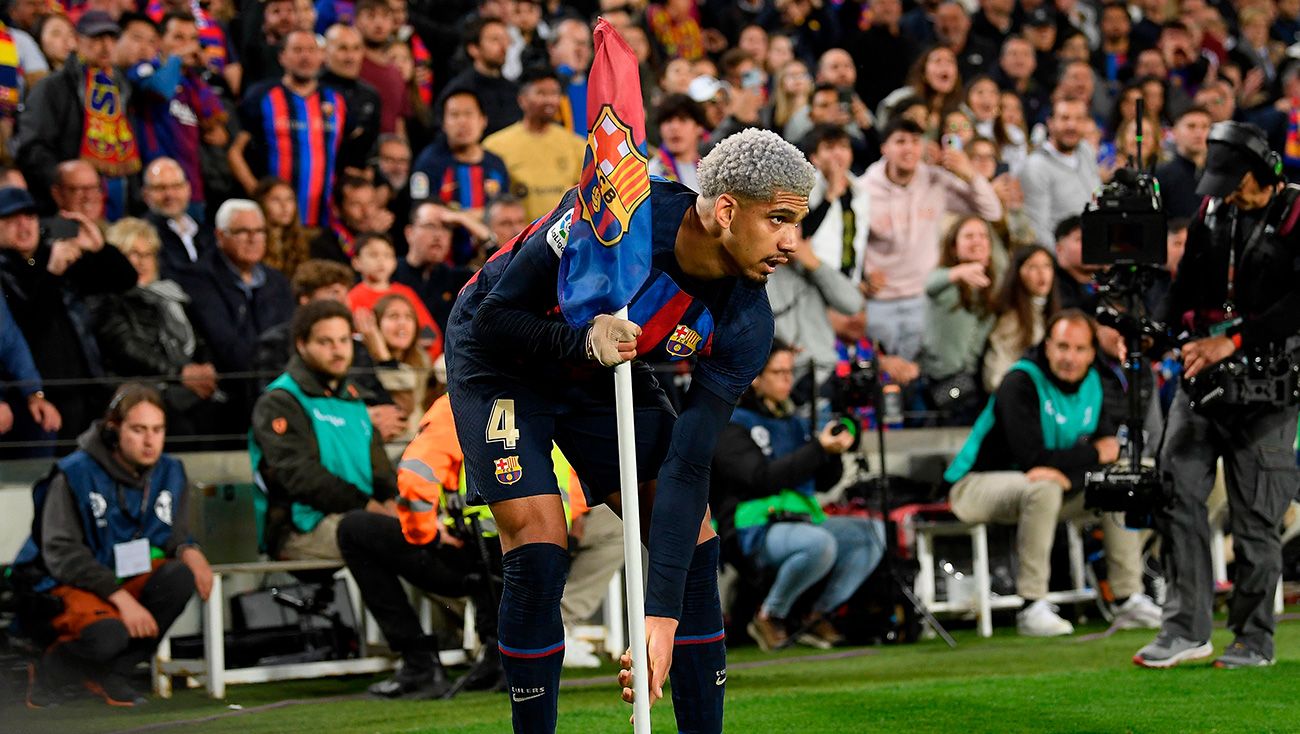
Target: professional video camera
{"points": [[1269, 377], [1124, 230]]}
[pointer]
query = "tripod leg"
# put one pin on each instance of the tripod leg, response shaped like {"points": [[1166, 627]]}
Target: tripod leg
{"points": [[921, 609]]}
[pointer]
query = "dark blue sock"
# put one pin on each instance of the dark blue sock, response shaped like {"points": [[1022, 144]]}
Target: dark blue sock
{"points": [[699, 672], [531, 633]]}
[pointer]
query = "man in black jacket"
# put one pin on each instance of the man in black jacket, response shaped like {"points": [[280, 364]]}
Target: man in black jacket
{"points": [[45, 283], [1237, 289], [1179, 175], [235, 299], [1024, 464], [314, 451]]}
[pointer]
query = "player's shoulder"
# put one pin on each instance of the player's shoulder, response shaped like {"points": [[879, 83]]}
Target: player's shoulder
{"points": [[749, 313]]}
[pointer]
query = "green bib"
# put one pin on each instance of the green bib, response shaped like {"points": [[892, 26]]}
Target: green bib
{"points": [[343, 433], [753, 513], [1065, 418]]}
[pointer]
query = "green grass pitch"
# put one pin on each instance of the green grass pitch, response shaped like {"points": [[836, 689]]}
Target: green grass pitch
{"points": [[1006, 684]]}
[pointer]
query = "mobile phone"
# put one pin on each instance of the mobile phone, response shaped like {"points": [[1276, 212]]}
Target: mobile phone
{"points": [[61, 228], [752, 79], [952, 140], [1001, 169], [846, 100]]}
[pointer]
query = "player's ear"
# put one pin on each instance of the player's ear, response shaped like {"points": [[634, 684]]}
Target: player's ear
{"points": [[725, 210]]}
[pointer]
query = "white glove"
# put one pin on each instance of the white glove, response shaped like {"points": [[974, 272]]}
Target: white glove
{"points": [[611, 340]]}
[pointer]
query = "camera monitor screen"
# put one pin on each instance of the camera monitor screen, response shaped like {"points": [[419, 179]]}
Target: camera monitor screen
{"points": [[1123, 237]]}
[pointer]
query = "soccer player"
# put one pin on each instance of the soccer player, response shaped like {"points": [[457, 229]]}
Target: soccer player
{"points": [[520, 377]]}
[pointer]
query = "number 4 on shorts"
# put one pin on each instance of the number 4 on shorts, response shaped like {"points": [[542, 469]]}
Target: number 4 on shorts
{"points": [[501, 423]]}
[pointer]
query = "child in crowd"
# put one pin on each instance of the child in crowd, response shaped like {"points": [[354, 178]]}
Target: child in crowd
{"points": [[376, 261]]}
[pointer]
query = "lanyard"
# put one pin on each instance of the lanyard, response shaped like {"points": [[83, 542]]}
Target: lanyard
{"points": [[144, 504], [1229, 301]]}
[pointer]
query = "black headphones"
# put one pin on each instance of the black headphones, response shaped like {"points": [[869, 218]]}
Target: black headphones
{"points": [[1250, 139]]}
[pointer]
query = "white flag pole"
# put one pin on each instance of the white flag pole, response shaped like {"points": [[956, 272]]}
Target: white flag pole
{"points": [[632, 543]]}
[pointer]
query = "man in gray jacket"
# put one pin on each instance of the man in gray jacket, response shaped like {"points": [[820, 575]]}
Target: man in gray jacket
{"points": [[1061, 175]]}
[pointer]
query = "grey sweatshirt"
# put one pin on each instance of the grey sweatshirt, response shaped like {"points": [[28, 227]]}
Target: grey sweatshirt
{"points": [[799, 301]]}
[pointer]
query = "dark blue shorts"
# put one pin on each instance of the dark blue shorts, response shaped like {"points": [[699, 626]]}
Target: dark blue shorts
{"points": [[506, 430]]}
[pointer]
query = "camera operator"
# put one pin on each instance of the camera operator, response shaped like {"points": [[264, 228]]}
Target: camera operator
{"points": [[1025, 461], [1238, 290]]}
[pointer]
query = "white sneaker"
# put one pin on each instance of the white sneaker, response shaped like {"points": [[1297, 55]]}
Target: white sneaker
{"points": [[1139, 612], [579, 653], [1041, 620]]}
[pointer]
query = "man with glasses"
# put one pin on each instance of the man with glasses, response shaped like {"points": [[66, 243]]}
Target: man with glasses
{"points": [[236, 298], [167, 193], [78, 188]]}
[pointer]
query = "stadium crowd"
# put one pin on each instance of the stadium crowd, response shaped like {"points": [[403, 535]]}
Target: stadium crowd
{"points": [[181, 177]]}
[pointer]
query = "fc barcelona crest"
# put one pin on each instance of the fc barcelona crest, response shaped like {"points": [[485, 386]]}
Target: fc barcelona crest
{"points": [[683, 342], [615, 181], [508, 470]]}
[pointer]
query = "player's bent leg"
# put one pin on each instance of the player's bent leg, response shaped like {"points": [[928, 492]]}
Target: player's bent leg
{"points": [[699, 672], [530, 632]]}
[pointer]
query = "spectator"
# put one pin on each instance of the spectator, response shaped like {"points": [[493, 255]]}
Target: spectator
{"points": [[527, 38], [374, 20], [265, 147], [985, 104], [261, 55], [314, 451], [146, 331], [935, 79], [1015, 73], [79, 189], [392, 335], [393, 160], [539, 180], [681, 128], [570, 55], [792, 91], [358, 211], [486, 41], [417, 547], [185, 242], [178, 111], [1014, 230], [1024, 464], [959, 317], [58, 38], [214, 46], [766, 471], [995, 22], [236, 298], [1061, 175], [326, 280], [1179, 175], [1118, 45], [456, 171], [62, 121], [425, 271], [376, 261], [118, 598], [417, 87], [839, 205], [505, 218], [883, 53], [1040, 30], [287, 244], [45, 283], [25, 389], [952, 28], [676, 29], [344, 58], [1075, 287], [1026, 299], [908, 201]]}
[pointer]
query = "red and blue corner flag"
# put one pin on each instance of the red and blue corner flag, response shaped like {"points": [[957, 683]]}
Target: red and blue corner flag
{"points": [[607, 257]]}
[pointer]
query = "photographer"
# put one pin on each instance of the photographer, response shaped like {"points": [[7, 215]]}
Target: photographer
{"points": [[1025, 461], [765, 472], [1238, 291]]}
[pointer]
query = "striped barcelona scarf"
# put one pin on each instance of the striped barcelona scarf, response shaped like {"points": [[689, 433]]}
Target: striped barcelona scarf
{"points": [[107, 143], [10, 73], [1291, 151]]}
